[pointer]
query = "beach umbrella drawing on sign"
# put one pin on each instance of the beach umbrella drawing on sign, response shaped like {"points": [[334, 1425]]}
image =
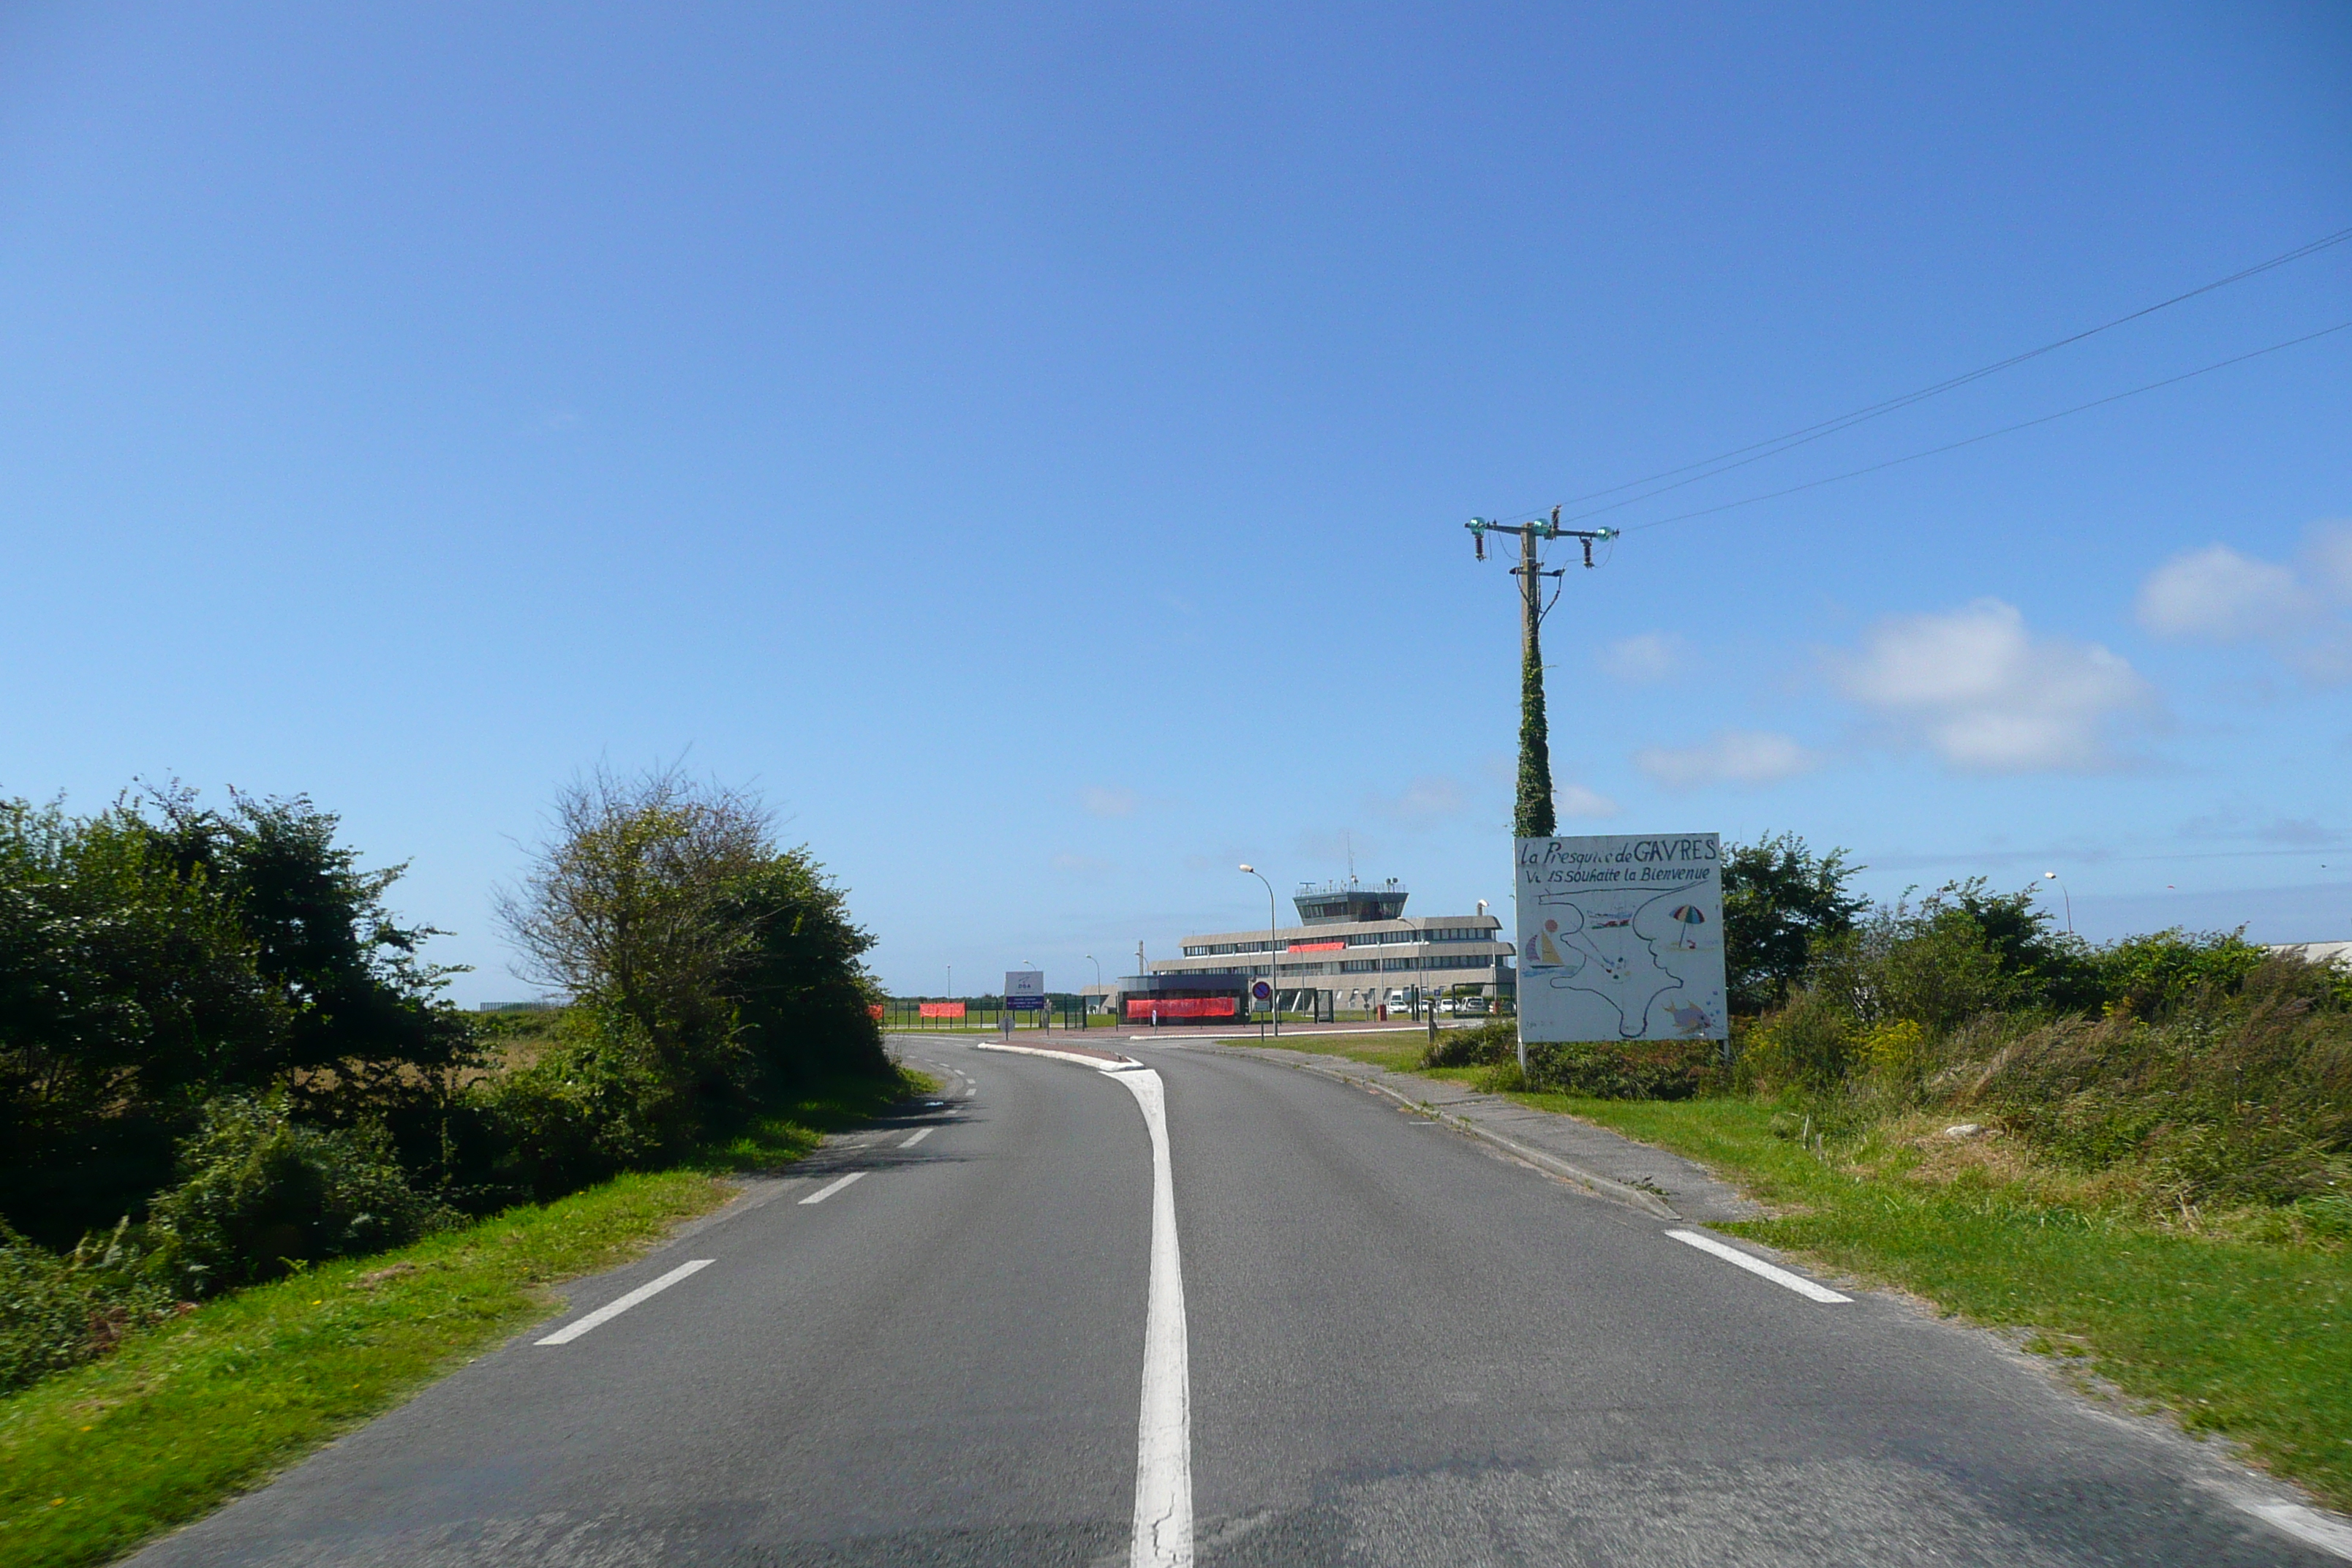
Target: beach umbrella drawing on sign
{"points": [[1689, 916]]}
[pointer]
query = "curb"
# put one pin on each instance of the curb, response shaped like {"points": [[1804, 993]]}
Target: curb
{"points": [[1101, 1061], [1600, 1186]]}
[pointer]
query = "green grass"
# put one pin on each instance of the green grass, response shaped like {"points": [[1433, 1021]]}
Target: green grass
{"points": [[96, 1460], [1399, 1050], [2248, 1337]]}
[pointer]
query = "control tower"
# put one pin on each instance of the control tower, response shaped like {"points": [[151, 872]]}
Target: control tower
{"points": [[1343, 903]]}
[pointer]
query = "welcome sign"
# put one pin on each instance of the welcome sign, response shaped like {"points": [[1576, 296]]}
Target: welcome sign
{"points": [[1621, 938]]}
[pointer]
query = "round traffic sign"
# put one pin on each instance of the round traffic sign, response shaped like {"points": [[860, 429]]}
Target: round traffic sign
{"points": [[1262, 991]]}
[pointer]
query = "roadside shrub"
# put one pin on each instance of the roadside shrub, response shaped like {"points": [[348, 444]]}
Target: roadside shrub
{"points": [[595, 1103], [2245, 1097], [1650, 1069], [1490, 1043], [1897, 1054], [45, 1311], [2151, 975], [261, 1194], [59, 1311], [1807, 1046]]}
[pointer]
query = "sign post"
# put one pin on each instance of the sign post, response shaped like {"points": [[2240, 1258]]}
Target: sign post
{"points": [[1620, 938], [1025, 991]]}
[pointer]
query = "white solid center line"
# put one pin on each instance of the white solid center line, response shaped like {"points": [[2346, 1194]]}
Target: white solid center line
{"points": [[1163, 1435], [832, 1188], [916, 1137], [612, 1310], [1757, 1266]]}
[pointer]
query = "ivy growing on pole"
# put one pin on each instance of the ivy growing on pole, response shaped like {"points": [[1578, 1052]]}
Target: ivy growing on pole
{"points": [[1533, 820]]}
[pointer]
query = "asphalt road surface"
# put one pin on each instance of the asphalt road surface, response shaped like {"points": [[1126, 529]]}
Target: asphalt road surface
{"points": [[1362, 1340]]}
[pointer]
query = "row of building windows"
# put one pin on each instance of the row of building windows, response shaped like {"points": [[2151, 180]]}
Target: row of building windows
{"points": [[1367, 966], [1352, 939]]}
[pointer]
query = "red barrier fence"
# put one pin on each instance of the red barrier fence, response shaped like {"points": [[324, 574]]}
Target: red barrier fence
{"points": [[1140, 1009], [942, 1009]]}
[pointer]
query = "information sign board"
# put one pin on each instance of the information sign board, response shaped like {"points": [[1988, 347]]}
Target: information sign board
{"points": [[1621, 938], [1024, 990]]}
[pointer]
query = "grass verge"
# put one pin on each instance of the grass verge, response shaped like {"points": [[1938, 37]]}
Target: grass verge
{"points": [[97, 1460], [2244, 1329], [1398, 1050]]}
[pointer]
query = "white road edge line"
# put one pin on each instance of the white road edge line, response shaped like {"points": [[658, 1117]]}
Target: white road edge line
{"points": [[1757, 1266], [916, 1137], [612, 1310], [831, 1188], [2307, 1525], [1163, 1431]]}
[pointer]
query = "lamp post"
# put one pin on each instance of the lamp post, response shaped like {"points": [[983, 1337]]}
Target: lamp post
{"points": [[1273, 963], [1085, 1022], [2053, 876]]}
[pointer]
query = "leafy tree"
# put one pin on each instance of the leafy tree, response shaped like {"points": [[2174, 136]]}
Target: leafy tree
{"points": [[158, 954], [363, 1015], [128, 987], [1780, 898], [631, 907], [2047, 967], [804, 992]]}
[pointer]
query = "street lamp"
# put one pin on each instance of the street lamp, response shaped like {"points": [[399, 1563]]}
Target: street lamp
{"points": [[1082, 1022], [1273, 963], [2053, 876]]}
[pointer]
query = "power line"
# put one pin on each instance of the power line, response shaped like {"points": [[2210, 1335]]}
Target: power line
{"points": [[1989, 434], [1756, 452]]}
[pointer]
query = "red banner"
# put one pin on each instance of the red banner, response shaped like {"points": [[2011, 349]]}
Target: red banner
{"points": [[1142, 1007], [875, 1009], [942, 1009], [1318, 946]]}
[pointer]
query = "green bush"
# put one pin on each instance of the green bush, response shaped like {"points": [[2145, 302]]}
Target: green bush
{"points": [[45, 1311], [1807, 1046], [2244, 1096], [261, 1194], [1650, 1069], [1489, 1045], [57, 1311], [595, 1103]]}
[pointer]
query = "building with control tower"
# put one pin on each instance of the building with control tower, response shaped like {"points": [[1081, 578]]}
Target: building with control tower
{"points": [[1354, 948]]}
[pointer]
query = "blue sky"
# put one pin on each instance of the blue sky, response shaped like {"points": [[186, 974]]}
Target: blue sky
{"points": [[1031, 445]]}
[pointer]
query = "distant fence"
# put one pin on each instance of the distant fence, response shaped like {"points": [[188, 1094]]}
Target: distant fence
{"points": [[914, 1014]]}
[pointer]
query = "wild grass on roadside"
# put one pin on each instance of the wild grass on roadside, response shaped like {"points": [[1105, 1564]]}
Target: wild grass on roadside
{"points": [[97, 1459]]}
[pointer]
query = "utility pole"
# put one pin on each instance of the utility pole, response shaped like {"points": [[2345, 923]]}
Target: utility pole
{"points": [[1533, 818]]}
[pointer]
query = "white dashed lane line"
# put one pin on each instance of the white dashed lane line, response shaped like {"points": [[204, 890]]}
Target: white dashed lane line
{"points": [[612, 1310], [831, 1188], [1758, 1266], [916, 1137]]}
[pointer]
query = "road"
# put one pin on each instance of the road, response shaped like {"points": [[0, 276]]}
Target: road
{"points": [[1389, 1347]]}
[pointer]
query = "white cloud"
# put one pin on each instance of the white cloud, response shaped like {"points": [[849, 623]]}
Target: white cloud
{"points": [[1732, 756], [2216, 595], [1099, 801], [1987, 696], [1426, 800], [1575, 800], [2327, 559], [1647, 658], [2220, 595]]}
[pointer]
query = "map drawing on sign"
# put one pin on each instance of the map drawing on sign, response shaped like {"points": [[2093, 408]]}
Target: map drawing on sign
{"points": [[1621, 938]]}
